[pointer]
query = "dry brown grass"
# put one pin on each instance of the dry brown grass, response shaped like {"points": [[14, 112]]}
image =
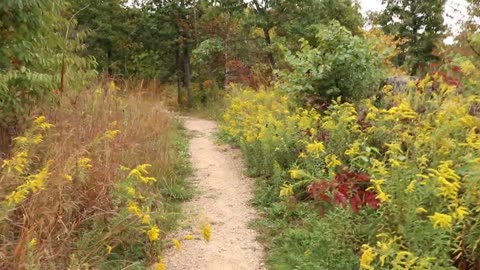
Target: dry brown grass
{"points": [[72, 223]]}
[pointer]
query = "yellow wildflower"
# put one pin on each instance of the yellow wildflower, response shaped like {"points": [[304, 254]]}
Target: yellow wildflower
{"points": [[441, 220], [37, 181], [84, 163], [17, 196], [68, 177], [315, 148], [161, 265], [134, 209], [34, 182], [131, 191], [109, 249], [296, 173], [177, 243], [153, 233], [207, 231], [286, 190], [353, 150], [302, 155], [21, 140], [461, 212], [146, 219], [18, 163], [111, 134], [37, 139], [40, 122], [423, 161], [420, 210], [411, 187], [140, 173], [189, 237], [332, 161], [382, 196], [368, 255], [32, 243]]}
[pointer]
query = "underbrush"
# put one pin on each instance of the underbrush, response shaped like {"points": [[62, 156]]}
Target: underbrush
{"points": [[387, 183], [94, 183]]}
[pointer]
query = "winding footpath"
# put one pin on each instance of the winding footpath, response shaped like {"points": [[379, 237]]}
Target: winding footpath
{"points": [[223, 198]]}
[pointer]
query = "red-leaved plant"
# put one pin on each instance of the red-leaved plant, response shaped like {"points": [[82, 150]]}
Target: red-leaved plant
{"points": [[348, 187]]}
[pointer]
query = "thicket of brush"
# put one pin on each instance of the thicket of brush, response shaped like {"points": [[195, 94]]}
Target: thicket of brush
{"points": [[92, 183]]}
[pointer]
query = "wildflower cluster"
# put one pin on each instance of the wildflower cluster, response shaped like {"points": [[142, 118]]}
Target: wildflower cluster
{"points": [[19, 169], [417, 152]]}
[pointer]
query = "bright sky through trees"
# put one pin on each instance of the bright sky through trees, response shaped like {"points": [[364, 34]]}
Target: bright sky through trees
{"points": [[455, 11]]}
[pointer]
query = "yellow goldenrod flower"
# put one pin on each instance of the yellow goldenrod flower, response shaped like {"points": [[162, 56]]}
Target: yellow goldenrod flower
{"points": [[17, 196], [21, 140], [207, 231], [353, 150], [146, 219], [37, 181], [140, 173], [441, 220], [112, 86], [131, 191], [382, 196], [32, 243], [84, 163], [109, 249], [40, 122], [368, 255], [153, 233], [423, 161], [161, 265], [332, 161], [189, 237], [37, 139], [302, 155], [286, 190], [411, 187], [420, 210], [68, 177], [296, 173], [34, 183], [111, 134], [177, 243], [133, 208], [315, 148], [17, 163], [461, 212]]}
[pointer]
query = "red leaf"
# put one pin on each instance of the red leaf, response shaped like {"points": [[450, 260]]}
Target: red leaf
{"points": [[339, 198], [363, 177]]}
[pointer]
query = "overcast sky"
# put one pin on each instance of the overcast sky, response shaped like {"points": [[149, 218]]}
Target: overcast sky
{"points": [[454, 11]]}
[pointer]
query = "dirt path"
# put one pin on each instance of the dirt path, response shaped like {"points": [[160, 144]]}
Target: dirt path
{"points": [[223, 199]]}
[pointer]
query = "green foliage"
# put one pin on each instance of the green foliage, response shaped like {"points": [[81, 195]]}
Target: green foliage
{"points": [[339, 65], [420, 23], [37, 55]]}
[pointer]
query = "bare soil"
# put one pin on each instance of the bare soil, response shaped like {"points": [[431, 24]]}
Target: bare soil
{"points": [[223, 198]]}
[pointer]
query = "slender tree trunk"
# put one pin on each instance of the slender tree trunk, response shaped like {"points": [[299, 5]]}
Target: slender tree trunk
{"points": [[179, 76], [268, 40], [188, 74]]}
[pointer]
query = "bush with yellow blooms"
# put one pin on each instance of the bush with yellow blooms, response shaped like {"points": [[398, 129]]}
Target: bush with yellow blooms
{"points": [[396, 178], [78, 191]]}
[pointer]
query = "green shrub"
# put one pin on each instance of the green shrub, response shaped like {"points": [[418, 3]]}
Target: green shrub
{"points": [[339, 64]]}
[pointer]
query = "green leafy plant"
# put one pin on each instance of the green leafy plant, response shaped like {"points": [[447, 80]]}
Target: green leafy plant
{"points": [[339, 64]]}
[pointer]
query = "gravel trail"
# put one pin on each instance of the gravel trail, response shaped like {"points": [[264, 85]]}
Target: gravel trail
{"points": [[223, 199]]}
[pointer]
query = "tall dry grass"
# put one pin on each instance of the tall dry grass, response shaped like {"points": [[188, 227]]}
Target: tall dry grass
{"points": [[79, 217]]}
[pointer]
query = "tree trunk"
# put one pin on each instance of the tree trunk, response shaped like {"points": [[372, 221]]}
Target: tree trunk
{"points": [[179, 76], [188, 74], [268, 40]]}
